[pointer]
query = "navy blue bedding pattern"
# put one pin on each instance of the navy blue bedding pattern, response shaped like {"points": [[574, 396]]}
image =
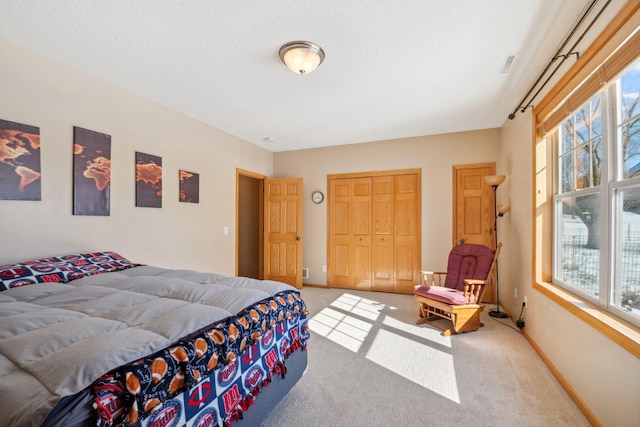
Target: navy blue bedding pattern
{"points": [[230, 360], [61, 269]]}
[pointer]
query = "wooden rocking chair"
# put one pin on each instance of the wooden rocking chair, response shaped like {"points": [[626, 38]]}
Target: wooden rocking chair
{"points": [[457, 294]]}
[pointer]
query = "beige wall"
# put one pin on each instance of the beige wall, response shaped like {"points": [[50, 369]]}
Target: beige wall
{"points": [[435, 155], [41, 92], [602, 373]]}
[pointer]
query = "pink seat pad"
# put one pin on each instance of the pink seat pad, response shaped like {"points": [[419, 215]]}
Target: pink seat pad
{"points": [[440, 293]]}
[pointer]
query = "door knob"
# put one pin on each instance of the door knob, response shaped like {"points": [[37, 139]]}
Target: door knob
{"points": [[297, 237]]}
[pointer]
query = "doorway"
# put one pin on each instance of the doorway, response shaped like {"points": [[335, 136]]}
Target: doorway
{"points": [[249, 224], [269, 228]]}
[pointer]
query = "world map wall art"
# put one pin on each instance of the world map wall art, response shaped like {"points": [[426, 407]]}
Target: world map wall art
{"points": [[189, 187], [91, 172], [19, 162], [148, 181]]}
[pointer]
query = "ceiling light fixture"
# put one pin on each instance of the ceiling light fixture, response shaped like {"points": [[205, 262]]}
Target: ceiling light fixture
{"points": [[301, 57]]}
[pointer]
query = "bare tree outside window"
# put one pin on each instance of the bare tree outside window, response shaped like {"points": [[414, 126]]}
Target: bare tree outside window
{"points": [[581, 136], [581, 145]]}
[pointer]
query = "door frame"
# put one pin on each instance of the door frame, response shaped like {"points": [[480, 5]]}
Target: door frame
{"points": [[260, 178]]}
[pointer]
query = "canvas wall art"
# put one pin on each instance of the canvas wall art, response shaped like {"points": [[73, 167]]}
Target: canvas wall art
{"points": [[91, 172], [19, 162], [148, 181], [189, 187]]}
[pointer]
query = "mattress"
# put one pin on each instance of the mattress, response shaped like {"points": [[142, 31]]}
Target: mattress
{"points": [[140, 345]]}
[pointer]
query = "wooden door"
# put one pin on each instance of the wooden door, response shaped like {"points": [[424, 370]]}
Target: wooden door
{"points": [[407, 232], [350, 233], [473, 210], [340, 233], [473, 216], [361, 234], [383, 234], [283, 230]]}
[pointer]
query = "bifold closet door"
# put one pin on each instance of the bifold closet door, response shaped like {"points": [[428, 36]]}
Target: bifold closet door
{"points": [[406, 226], [350, 233], [374, 232], [383, 234]]}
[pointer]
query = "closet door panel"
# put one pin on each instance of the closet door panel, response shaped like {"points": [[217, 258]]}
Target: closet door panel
{"points": [[361, 237], [382, 248], [340, 233], [361, 267], [407, 232]]}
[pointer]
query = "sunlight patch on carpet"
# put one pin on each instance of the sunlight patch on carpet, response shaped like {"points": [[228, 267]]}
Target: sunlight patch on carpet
{"points": [[422, 364], [410, 352], [360, 306], [340, 328], [431, 334]]}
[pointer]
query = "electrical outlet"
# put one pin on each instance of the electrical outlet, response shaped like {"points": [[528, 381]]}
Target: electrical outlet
{"points": [[324, 268], [515, 293], [525, 301]]}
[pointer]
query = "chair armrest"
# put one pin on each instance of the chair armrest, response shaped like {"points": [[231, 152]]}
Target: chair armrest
{"points": [[433, 278], [473, 290], [474, 281]]}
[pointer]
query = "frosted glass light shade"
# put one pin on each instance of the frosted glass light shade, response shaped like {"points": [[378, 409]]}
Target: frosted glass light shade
{"points": [[301, 57], [494, 179]]}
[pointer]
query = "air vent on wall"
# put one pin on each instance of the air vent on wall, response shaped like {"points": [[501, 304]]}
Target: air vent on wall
{"points": [[305, 273]]}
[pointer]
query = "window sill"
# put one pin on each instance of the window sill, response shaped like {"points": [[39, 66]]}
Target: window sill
{"points": [[621, 332]]}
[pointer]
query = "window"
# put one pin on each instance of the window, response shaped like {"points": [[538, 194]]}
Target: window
{"points": [[597, 198]]}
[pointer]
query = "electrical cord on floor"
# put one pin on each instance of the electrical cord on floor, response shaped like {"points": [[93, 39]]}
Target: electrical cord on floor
{"points": [[520, 321], [509, 325]]}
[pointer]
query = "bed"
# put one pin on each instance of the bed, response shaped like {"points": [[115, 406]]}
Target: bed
{"points": [[95, 339]]}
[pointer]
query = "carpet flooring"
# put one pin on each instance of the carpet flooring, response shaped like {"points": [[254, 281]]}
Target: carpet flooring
{"points": [[370, 365]]}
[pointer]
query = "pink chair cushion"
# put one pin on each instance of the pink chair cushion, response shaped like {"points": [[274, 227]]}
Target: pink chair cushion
{"points": [[467, 261], [440, 293]]}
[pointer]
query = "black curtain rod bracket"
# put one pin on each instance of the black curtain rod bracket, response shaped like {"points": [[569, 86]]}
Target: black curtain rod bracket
{"points": [[563, 57]]}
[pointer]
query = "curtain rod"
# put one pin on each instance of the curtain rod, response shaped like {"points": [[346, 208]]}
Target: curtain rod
{"points": [[558, 55]]}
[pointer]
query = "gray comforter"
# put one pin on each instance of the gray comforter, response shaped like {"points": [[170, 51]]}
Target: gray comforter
{"points": [[56, 339]]}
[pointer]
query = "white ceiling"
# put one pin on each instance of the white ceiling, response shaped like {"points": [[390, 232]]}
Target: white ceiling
{"points": [[393, 68]]}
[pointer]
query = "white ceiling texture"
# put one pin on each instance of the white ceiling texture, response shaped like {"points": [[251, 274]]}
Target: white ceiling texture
{"points": [[393, 68]]}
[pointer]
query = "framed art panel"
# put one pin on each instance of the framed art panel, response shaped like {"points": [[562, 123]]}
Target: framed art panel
{"points": [[19, 162], [91, 172], [148, 181], [189, 187]]}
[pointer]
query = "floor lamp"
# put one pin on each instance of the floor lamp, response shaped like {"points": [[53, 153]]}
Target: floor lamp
{"points": [[494, 181]]}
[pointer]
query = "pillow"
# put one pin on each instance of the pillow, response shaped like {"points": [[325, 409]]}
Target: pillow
{"points": [[61, 269]]}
